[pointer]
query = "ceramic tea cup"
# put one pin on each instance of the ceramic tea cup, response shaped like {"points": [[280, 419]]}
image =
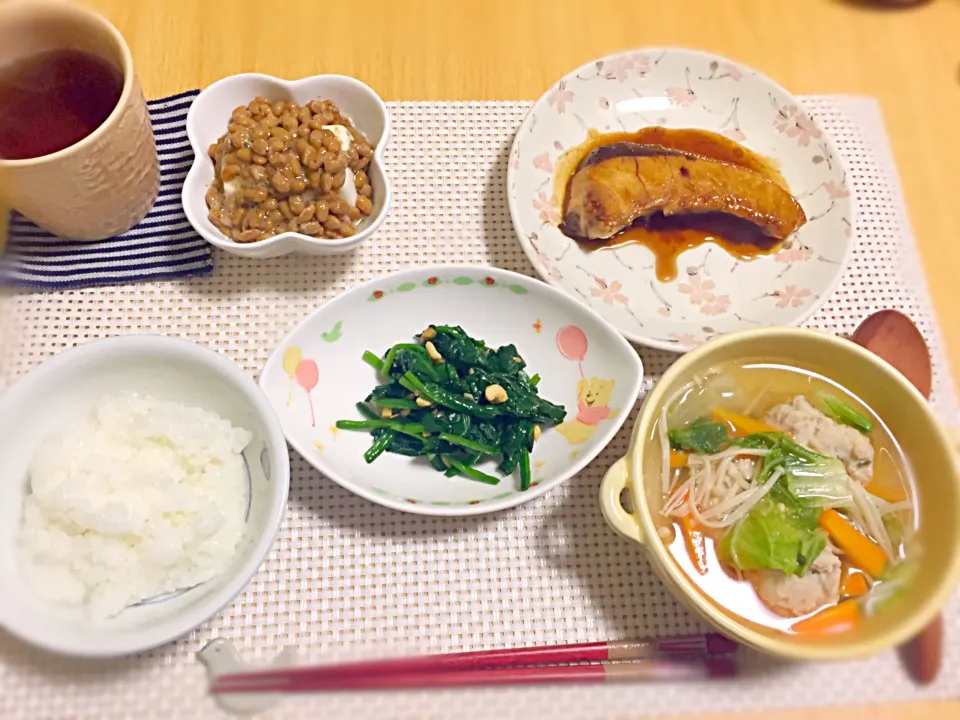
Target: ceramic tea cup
{"points": [[107, 178]]}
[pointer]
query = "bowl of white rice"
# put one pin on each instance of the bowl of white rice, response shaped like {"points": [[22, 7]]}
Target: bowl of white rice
{"points": [[144, 481]]}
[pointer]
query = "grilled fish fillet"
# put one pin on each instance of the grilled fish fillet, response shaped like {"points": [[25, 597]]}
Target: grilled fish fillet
{"points": [[623, 182]]}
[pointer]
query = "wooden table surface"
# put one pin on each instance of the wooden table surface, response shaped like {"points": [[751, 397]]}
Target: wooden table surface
{"points": [[514, 49]]}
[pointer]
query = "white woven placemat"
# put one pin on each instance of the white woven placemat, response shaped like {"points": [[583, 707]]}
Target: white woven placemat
{"points": [[347, 577]]}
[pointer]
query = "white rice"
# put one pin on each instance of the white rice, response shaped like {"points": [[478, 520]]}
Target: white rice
{"points": [[142, 498]]}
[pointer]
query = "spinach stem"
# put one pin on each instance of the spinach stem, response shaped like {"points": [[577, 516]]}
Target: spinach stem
{"points": [[448, 399], [397, 403], [415, 384], [388, 360], [470, 444], [413, 429], [373, 361], [525, 470], [470, 472], [367, 412], [380, 444]]}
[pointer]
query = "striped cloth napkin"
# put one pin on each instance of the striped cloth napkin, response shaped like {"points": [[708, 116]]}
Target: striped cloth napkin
{"points": [[161, 247]]}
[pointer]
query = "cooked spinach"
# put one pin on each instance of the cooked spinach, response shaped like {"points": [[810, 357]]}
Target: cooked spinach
{"points": [[843, 413], [433, 403]]}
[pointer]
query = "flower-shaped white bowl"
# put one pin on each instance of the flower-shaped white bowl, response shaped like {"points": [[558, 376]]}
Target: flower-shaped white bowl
{"points": [[713, 293], [208, 118], [316, 376], [65, 388]]}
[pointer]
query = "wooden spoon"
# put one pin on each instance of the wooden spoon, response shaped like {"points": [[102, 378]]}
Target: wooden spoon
{"points": [[892, 336]]}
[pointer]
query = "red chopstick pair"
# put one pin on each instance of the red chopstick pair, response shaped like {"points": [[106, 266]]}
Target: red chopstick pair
{"points": [[689, 657]]}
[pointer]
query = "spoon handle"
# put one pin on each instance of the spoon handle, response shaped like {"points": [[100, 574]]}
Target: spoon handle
{"points": [[923, 655], [892, 336]]}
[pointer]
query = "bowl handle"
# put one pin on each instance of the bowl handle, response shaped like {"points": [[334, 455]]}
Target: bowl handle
{"points": [[614, 482]]}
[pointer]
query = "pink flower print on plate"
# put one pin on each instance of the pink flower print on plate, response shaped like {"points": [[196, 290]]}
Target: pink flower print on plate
{"points": [[734, 134], [542, 162], [547, 209], [608, 292], [698, 288], [664, 311], [719, 71], [685, 339], [681, 96], [641, 63], [554, 274], [836, 191], [621, 68], [794, 254], [560, 96], [795, 124], [732, 71], [791, 296], [715, 305]]}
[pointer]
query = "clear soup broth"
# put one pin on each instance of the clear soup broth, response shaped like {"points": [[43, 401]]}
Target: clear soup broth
{"points": [[766, 465]]}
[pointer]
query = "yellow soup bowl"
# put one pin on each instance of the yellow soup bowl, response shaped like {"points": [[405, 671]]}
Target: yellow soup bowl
{"points": [[925, 442]]}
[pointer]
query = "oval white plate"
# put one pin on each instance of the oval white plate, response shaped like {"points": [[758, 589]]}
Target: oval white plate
{"points": [[713, 293], [316, 376]]}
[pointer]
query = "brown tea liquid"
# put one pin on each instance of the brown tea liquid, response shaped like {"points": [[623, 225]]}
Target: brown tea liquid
{"points": [[53, 100]]}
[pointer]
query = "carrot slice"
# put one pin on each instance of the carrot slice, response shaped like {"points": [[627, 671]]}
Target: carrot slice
{"points": [[853, 583], [679, 459], [861, 550], [739, 425], [835, 618], [695, 543], [887, 483]]}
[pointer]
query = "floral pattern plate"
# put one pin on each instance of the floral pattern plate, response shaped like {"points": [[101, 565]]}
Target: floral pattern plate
{"points": [[316, 376], [713, 293]]}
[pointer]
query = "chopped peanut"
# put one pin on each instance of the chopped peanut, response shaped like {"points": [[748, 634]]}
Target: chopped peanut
{"points": [[387, 413], [428, 334], [432, 352], [536, 433], [495, 394], [423, 402], [468, 396]]}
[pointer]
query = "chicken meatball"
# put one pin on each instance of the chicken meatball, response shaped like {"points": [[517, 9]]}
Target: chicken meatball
{"points": [[792, 596]]}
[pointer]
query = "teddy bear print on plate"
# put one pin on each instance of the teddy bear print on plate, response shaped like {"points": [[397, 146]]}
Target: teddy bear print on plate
{"points": [[714, 292]]}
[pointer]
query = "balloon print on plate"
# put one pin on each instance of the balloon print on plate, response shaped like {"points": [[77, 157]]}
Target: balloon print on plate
{"points": [[303, 372], [593, 394]]}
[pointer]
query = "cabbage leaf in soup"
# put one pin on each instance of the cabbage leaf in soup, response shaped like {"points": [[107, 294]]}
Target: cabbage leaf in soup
{"points": [[774, 536], [781, 532], [702, 436]]}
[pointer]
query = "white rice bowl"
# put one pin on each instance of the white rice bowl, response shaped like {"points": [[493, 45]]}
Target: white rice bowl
{"points": [[60, 396]]}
